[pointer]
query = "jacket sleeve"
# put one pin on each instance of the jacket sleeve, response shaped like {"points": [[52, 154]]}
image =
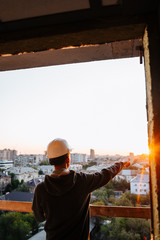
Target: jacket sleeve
{"points": [[99, 179], [36, 206]]}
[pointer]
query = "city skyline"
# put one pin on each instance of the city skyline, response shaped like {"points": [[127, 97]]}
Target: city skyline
{"points": [[99, 105], [18, 153]]}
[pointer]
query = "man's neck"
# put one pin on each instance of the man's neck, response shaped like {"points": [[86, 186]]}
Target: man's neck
{"points": [[60, 167], [59, 172]]}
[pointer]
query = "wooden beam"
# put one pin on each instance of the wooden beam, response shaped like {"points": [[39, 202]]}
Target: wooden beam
{"points": [[101, 211], [130, 212], [15, 206]]}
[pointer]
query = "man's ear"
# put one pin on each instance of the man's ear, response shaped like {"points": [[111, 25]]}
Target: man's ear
{"points": [[67, 159]]}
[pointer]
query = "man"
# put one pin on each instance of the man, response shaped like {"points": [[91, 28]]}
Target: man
{"points": [[63, 198]]}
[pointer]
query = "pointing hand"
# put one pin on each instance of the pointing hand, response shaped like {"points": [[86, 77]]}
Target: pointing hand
{"points": [[126, 164]]}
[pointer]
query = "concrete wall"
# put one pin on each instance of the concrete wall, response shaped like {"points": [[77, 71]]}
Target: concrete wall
{"points": [[152, 68]]}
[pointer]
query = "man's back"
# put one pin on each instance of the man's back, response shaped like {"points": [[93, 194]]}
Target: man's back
{"points": [[64, 200], [65, 204]]}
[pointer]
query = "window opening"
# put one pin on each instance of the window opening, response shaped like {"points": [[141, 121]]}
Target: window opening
{"points": [[99, 107]]}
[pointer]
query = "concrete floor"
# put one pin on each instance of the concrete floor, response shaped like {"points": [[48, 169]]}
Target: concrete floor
{"points": [[39, 236]]}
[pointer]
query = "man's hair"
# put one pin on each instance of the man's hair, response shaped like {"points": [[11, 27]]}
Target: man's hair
{"points": [[58, 160]]}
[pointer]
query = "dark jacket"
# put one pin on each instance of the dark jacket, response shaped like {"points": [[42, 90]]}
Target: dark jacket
{"points": [[63, 202]]}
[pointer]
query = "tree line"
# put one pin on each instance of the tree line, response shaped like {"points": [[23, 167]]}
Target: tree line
{"points": [[119, 228], [16, 225]]}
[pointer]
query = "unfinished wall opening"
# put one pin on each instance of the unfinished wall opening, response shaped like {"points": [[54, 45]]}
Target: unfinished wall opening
{"points": [[80, 24], [99, 105]]}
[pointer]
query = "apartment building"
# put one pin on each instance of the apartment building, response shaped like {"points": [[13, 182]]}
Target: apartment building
{"points": [[78, 158], [5, 164], [26, 160], [127, 174], [92, 154], [75, 167], [4, 180], [140, 184], [7, 154], [46, 169], [23, 173]]}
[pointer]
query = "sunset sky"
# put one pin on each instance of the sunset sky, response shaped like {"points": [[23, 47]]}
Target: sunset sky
{"points": [[99, 105]]}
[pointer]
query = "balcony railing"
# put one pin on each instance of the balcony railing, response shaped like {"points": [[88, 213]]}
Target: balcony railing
{"points": [[101, 211]]}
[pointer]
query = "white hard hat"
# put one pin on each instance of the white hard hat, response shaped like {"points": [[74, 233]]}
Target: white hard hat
{"points": [[58, 147]]}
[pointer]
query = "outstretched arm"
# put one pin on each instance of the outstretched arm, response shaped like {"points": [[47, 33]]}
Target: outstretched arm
{"points": [[99, 179]]}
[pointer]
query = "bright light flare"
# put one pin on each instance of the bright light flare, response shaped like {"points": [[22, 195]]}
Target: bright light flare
{"points": [[139, 188]]}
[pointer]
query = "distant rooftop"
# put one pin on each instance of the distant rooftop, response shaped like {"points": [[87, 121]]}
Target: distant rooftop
{"points": [[21, 170], [46, 167], [3, 175], [143, 178], [34, 182], [18, 196], [95, 168]]}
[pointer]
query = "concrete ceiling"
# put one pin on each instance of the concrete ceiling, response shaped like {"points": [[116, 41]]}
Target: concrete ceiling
{"points": [[11, 10], [121, 49], [45, 27]]}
